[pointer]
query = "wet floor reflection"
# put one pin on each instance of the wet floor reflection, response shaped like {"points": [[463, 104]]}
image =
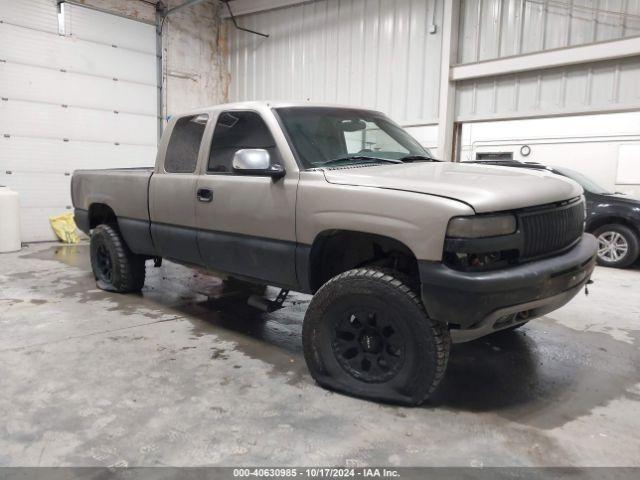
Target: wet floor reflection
{"points": [[544, 375]]}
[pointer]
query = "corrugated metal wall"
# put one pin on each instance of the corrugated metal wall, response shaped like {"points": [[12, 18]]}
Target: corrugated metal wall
{"points": [[596, 87], [378, 53], [492, 29], [372, 53]]}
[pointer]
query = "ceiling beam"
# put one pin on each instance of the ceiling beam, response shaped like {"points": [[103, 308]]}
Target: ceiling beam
{"points": [[595, 52]]}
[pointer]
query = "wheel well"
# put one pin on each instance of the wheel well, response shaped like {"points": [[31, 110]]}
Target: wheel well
{"points": [[336, 251], [100, 213], [593, 226]]}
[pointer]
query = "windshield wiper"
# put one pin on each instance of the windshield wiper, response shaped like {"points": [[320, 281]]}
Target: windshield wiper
{"points": [[356, 157], [419, 158]]}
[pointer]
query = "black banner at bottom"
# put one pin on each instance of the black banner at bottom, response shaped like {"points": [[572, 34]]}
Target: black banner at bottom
{"points": [[404, 473]]}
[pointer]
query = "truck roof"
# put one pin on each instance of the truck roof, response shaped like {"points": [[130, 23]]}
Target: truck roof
{"points": [[268, 104]]}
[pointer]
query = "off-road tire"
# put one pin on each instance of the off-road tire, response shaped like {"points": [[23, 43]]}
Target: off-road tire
{"points": [[127, 268], [630, 237], [426, 343]]}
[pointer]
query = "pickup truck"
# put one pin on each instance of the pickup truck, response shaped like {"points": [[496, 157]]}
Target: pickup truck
{"points": [[404, 254]]}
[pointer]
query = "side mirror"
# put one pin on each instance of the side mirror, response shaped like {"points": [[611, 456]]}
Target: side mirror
{"points": [[256, 161]]}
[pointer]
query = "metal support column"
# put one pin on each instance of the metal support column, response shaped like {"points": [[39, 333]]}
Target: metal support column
{"points": [[447, 102], [160, 16], [456, 147]]}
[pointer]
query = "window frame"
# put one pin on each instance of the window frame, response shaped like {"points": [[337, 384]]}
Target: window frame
{"points": [[214, 123]]}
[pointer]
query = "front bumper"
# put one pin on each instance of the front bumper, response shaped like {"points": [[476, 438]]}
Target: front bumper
{"points": [[475, 304]]}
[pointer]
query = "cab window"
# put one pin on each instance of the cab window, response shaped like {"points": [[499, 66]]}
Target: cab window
{"points": [[184, 144]]}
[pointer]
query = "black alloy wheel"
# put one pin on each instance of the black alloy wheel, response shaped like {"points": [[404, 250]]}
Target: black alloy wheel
{"points": [[104, 264], [368, 344]]}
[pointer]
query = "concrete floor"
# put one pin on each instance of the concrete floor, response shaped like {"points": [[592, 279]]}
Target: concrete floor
{"points": [[164, 378]]}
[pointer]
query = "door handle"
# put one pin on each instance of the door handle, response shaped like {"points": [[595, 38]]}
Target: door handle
{"points": [[204, 195]]}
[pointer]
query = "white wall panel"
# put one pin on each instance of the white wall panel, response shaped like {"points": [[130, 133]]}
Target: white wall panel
{"points": [[500, 28], [81, 23], [37, 84], [35, 14], [95, 87], [628, 168], [372, 53], [597, 87], [42, 196], [31, 119], [592, 144], [95, 26], [30, 155], [23, 45], [39, 189]]}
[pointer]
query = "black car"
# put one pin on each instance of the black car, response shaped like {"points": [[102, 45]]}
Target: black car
{"points": [[612, 217]]}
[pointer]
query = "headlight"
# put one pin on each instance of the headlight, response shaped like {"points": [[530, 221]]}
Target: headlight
{"points": [[481, 226]]}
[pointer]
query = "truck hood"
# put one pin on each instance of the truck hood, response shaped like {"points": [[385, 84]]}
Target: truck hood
{"points": [[484, 188]]}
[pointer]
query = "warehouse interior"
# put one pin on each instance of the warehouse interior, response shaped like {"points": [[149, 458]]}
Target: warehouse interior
{"points": [[171, 377]]}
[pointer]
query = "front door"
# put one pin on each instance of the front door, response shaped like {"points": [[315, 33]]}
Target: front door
{"points": [[246, 223]]}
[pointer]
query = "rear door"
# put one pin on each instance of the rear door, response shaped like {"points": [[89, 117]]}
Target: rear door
{"points": [[172, 192], [246, 223]]}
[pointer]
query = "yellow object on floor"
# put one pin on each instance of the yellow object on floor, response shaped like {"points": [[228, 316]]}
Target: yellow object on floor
{"points": [[65, 228]]}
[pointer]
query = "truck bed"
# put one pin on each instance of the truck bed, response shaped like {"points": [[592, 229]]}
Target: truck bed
{"points": [[125, 190]]}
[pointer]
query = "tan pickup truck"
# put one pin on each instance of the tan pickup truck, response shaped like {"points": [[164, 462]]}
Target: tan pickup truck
{"points": [[403, 253]]}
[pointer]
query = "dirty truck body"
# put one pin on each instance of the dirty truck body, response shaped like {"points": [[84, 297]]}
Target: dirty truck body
{"points": [[403, 253]]}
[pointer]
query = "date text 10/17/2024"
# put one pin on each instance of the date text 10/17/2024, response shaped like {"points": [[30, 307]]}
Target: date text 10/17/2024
{"points": [[319, 472]]}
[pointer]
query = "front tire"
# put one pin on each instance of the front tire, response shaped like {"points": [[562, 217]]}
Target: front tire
{"points": [[115, 267], [366, 334], [618, 245]]}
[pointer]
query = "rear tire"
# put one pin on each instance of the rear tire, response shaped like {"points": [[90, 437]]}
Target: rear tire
{"points": [[115, 267], [618, 245], [366, 334]]}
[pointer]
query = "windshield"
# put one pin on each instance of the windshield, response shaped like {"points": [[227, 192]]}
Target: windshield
{"points": [[586, 183], [342, 136]]}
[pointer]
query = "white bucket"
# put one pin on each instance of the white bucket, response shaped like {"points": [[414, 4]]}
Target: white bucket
{"points": [[9, 221]]}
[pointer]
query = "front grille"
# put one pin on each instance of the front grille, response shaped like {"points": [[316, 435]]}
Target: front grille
{"points": [[549, 230]]}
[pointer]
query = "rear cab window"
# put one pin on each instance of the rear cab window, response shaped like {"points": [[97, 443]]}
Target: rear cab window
{"points": [[184, 144]]}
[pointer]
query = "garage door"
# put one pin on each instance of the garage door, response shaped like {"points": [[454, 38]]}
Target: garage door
{"points": [[84, 99]]}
